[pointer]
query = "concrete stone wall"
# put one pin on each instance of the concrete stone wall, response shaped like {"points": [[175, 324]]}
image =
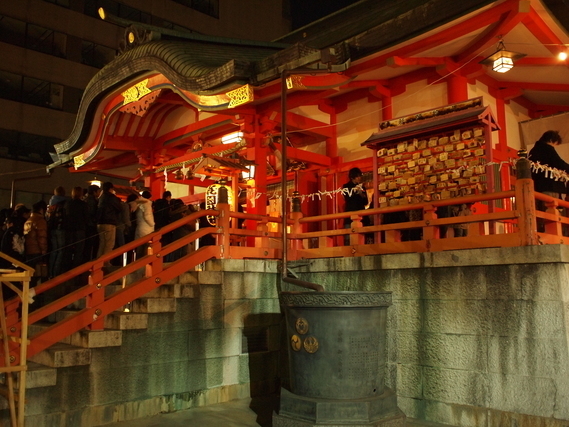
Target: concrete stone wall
{"points": [[476, 338], [194, 356]]}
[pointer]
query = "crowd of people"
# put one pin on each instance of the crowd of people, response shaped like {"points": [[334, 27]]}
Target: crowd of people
{"points": [[68, 231]]}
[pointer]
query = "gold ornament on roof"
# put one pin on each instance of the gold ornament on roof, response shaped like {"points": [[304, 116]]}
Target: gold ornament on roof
{"points": [[136, 92], [294, 82], [78, 161], [240, 96]]}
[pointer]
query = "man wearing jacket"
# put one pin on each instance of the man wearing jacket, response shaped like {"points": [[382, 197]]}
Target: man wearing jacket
{"points": [[108, 215]]}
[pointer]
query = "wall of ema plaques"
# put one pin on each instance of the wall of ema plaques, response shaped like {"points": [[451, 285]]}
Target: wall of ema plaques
{"points": [[436, 166]]}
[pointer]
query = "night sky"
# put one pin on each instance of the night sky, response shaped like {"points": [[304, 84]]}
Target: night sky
{"points": [[306, 11]]}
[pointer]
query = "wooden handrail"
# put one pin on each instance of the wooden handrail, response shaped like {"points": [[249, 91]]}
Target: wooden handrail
{"points": [[514, 225]]}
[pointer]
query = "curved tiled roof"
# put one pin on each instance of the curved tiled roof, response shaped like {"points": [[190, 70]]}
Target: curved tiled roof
{"points": [[198, 67]]}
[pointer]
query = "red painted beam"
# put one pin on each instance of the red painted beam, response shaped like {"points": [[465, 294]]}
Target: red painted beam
{"points": [[124, 143], [484, 19], [504, 25], [210, 122], [306, 124], [305, 156], [398, 61]]}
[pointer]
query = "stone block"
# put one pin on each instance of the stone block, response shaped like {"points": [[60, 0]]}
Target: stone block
{"points": [[406, 348], [255, 265], [502, 418], [232, 265], [36, 376], [213, 265], [213, 343], [410, 315], [455, 386], [467, 352], [526, 318], [211, 314], [153, 305], [249, 285], [409, 381], [411, 407], [63, 355], [187, 278], [455, 283], [456, 316], [209, 292], [210, 277], [124, 321], [372, 262], [540, 282], [521, 394], [95, 339], [528, 357], [401, 261], [455, 415], [407, 284], [561, 399]]}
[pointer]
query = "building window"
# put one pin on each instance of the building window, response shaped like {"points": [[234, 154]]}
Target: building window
{"points": [[45, 40], [32, 37], [96, 55], [64, 3], [39, 92], [26, 146], [114, 8], [12, 31], [10, 86], [208, 7]]}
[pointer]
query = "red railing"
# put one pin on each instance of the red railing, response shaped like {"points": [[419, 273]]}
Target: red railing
{"points": [[515, 223]]}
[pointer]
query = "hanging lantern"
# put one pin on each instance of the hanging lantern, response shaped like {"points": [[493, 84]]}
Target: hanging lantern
{"points": [[502, 60], [212, 198]]}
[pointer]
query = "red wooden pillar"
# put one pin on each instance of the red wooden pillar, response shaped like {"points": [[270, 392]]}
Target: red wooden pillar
{"points": [[457, 88]]}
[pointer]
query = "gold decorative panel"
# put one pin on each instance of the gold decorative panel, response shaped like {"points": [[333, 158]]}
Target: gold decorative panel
{"points": [[240, 96], [136, 92]]}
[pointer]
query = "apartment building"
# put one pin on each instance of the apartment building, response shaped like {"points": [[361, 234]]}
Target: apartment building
{"points": [[51, 49]]}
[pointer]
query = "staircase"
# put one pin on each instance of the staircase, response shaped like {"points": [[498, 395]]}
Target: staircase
{"points": [[180, 345]]}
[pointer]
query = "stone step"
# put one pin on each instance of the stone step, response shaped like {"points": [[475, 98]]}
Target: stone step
{"points": [[36, 376], [153, 305], [95, 339], [167, 290], [62, 355], [123, 320]]}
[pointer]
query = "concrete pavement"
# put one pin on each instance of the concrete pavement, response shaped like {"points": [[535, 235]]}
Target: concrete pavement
{"points": [[237, 413]]}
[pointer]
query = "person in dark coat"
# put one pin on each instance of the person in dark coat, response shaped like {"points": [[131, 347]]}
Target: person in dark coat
{"points": [[356, 199], [92, 240], [544, 153], [75, 225], [108, 213]]}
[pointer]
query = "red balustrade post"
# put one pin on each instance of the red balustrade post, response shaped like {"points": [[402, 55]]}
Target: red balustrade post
{"points": [[222, 221], [356, 238], [97, 296], [430, 232], [263, 229], [553, 227], [296, 228], [525, 202], [156, 264]]}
